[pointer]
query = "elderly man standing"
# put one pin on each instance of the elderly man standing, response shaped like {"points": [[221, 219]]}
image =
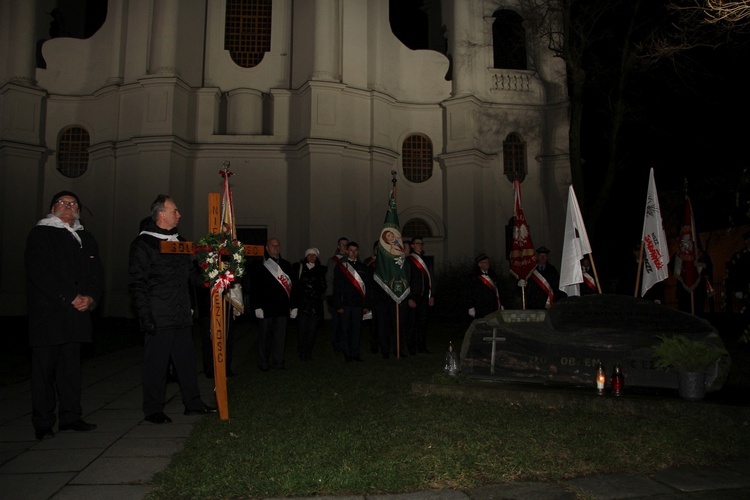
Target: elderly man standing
{"points": [[271, 298], [65, 280], [160, 286]]}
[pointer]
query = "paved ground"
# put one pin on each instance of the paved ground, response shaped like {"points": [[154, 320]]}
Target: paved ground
{"points": [[119, 458]]}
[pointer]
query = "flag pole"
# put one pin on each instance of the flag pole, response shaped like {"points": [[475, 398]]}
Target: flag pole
{"points": [[398, 323], [640, 268], [596, 276]]}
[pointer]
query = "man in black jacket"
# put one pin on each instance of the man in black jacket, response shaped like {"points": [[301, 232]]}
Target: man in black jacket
{"points": [[271, 299], [351, 296], [160, 286], [484, 295], [65, 280], [421, 298]]}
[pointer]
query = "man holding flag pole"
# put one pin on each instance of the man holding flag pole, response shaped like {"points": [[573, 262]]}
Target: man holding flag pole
{"points": [[523, 257], [390, 273], [686, 269]]}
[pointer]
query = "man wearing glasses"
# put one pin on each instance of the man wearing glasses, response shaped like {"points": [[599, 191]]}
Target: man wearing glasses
{"points": [[65, 281]]}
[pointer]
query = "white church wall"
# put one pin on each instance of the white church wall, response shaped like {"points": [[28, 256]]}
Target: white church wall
{"points": [[273, 71]]}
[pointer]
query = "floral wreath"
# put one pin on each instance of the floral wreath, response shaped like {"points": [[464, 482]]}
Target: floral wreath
{"points": [[219, 271]]}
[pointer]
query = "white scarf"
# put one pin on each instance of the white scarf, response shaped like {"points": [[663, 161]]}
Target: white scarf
{"points": [[54, 221], [168, 237]]}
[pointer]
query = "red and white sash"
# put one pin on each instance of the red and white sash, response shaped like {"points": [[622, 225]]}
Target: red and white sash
{"points": [[281, 277], [353, 276], [544, 285], [490, 283], [589, 280], [423, 269]]}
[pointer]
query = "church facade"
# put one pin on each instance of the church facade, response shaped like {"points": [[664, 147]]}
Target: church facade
{"points": [[313, 103]]}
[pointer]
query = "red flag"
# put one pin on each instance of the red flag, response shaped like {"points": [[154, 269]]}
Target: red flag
{"points": [[684, 265], [523, 256]]}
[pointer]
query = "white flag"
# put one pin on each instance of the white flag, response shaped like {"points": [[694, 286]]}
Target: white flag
{"points": [[656, 250], [575, 246]]}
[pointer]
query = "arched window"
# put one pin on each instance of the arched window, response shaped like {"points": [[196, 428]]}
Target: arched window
{"points": [[416, 228], [73, 152], [416, 158], [508, 40], [514, 157], [247, 31]]}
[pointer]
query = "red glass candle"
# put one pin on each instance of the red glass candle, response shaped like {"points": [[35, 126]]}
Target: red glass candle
{"points": [[617, 380]]}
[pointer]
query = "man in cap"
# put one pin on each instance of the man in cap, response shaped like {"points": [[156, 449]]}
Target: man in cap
{"points": [[65, 281], [543, 286], [484, 295]]}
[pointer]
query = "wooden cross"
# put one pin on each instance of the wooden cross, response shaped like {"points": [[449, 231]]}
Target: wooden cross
{"points": [[218, 304], [494, 339]]}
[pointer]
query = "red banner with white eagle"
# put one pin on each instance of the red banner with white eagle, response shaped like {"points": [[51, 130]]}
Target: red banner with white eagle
{"points": [[523, 256], [685, 268]]}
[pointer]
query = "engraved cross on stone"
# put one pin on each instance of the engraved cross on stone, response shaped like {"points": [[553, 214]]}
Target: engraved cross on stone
{"points": [[494, 339]]}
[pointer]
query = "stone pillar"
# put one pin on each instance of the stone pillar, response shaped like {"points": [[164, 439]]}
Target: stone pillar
{"points": [[326, 50], [459, 41], [163, 58], [22, 58], [115, 23], [244, 112]]}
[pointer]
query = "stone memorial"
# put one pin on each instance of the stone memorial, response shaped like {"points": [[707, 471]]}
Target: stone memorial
{"points": [[565, 344]]}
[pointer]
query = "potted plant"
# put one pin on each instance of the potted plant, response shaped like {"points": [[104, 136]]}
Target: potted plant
{"points": [[690, 359]]}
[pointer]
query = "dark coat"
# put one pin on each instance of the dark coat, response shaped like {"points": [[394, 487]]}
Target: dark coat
{"points": [[345, 294], [58, 269], [309, 287], [536, 297], [481, 297], [159, 283], [266, 292], [418, 282]]}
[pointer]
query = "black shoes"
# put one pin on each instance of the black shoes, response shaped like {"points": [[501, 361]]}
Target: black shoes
{"points": [[79, 425], [158, 418], [44, 433], [203, 410]]}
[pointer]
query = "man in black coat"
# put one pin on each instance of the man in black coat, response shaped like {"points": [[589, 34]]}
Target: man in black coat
{"points": [[159, 284], [65, 281], [352, 288], [421, 296], [271, 299], [484, 296], [543, 286]]}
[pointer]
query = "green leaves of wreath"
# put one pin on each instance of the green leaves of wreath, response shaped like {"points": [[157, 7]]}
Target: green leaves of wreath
{"points": [[221, 259]]}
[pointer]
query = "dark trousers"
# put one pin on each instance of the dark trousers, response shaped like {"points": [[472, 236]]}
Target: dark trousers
{"points": [[335, 329], [417, 329], [351, 331], [55, 371], [384, 318], [272, 342], [175, 343], [307, 324]]}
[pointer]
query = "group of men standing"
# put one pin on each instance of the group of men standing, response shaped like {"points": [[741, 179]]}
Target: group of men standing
{"points": [[353, 294]]}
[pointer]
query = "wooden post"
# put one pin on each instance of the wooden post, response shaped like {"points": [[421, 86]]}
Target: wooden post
{"points": [[218, 319], [219, 305]]}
